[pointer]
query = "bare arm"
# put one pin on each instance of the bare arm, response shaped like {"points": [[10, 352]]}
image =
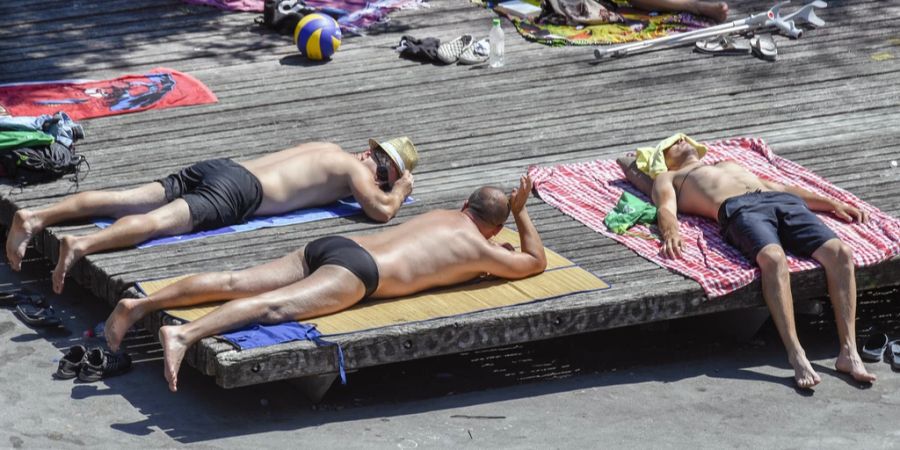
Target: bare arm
{"points": [[531, 260], [377, 204], [663, 195], [815, 202]]}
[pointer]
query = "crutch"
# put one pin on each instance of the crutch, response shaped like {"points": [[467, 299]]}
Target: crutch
{"points": [[770, 18]]}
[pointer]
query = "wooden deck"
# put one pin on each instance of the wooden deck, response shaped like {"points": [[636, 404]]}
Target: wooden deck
{"points": [[831, 102]]}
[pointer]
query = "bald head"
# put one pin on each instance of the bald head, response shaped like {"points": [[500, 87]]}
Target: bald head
{"points": [[489, 205]]}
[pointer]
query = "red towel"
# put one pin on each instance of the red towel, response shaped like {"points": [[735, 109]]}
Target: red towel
{"points": [[83, 99], [588, 191]]}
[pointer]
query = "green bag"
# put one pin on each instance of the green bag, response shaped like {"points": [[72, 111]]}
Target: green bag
{"points": [[18, 139], [629, 212]]}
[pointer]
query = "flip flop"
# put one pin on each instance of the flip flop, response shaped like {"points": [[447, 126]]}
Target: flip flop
{"points": [[10, 299], [873, 349], [763, 46], [722, 45], [893, 349], [37, 315]]}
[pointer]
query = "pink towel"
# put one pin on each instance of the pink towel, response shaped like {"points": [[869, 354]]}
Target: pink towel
{"points": [[231, 5], [588, 191]]}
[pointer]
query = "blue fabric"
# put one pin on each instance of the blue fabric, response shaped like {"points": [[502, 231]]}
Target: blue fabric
{"points": [[342, 208], [60, 126], [256, 335], [23, 123]]}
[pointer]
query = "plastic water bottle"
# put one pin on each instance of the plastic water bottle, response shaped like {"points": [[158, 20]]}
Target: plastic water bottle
{"points": [[496, 38], [893, 171]]}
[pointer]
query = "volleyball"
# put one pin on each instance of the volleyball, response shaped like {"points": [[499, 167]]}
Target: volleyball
{"points": [[317, 36]]}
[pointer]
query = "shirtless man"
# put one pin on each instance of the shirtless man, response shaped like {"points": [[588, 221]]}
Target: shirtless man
{"points": [[753, 213], [592, 12], [217, 193], [717, 11], [438, 248]]}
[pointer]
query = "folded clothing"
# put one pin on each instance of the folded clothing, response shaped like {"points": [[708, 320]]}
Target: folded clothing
{"points": [[588, 191]]}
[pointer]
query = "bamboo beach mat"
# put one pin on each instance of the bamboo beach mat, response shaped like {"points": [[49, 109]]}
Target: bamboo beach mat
{"points": [[562, 277]]}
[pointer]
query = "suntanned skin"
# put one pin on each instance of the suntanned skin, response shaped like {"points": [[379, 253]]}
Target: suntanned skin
{"points": [[438, 248], [703, 190], [311, 174], [715, 10]]}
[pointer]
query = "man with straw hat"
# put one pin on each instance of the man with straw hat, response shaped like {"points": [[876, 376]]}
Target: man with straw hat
{"points": [[221, 192]]}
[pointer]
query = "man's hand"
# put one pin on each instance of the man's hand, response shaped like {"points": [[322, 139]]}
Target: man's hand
{"points": [[520, 195], [672, 245], [848, 213], [404, 184]]}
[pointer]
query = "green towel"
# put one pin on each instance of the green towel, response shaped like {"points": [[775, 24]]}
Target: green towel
{"points": [[17, 139], [629, 212]]}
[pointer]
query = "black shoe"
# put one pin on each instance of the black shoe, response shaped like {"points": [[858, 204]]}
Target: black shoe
{"points": [[70, 364], [99, 364]]}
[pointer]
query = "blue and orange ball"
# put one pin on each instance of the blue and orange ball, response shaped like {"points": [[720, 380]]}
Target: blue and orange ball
{"points": [[317, 36]]}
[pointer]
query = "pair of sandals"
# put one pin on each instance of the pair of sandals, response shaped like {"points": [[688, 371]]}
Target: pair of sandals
{"points": [[91, 365], [32, 308], [877, 346], [762, 46], [465, 50]]}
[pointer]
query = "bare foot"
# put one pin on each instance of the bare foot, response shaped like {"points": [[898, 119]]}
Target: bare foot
{"points": [[804, 374], [20, 232], [848, 361], [68, 254], [717, 11], [174, 348], [122, 318]]}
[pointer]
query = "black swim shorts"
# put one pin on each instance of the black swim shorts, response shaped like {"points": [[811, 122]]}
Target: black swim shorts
{"points": [[340, 251], [219, 192], [757, 219]]}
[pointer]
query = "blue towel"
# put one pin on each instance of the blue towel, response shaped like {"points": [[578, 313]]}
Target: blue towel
{"points": [[342, 208], [257, 335]]}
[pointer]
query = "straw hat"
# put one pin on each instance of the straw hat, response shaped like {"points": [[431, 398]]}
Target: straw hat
{"points": [[401, 150]]}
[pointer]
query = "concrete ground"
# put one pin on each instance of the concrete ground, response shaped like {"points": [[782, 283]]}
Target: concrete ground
{"points": [[679, 384]]}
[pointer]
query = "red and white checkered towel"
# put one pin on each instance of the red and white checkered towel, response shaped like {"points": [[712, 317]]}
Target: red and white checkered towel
{"points": [[588, 191]]}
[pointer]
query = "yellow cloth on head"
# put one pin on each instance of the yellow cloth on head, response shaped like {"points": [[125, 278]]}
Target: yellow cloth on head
{"points": [[652, 160]]}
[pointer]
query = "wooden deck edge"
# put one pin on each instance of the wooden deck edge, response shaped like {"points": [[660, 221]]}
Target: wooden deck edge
{"points": [[482, 330]]}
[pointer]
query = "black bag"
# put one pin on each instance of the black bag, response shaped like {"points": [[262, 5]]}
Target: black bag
{"points": [[283, 15], [37, 165]]}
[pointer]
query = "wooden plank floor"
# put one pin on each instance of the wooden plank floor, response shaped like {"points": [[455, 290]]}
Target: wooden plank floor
{"points": [[829, 103]]}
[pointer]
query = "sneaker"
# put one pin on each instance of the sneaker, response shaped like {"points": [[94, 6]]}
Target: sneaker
{"points": [[477, 53], [99, 364], [449, 52], [70, 364]]}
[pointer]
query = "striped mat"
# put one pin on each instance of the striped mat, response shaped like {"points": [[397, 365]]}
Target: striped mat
{"points": [[588, 191]]}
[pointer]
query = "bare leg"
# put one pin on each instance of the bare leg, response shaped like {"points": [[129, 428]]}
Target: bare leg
{"points": [[717, 11], [172, 218], [205, 288], [329, 289], [837, 259], [26, 223], [776, 285]]}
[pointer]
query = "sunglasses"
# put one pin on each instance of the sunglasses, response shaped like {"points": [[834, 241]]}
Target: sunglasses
{"points": [[382, 170]]}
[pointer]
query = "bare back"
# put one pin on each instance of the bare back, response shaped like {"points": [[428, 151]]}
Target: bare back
{"points": [[307, 175], [701, 189], [438, 248]]}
